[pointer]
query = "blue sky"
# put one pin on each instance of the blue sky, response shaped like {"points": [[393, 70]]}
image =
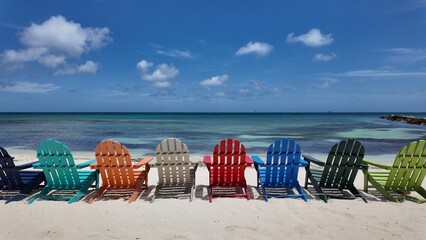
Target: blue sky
{"points": [[303, 56]]}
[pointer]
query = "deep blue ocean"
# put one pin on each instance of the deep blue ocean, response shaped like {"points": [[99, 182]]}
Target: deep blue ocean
{"points": [[315, 132]]}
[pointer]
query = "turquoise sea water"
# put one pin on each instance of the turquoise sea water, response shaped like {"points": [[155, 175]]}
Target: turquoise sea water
{"points": [[315, 132]]}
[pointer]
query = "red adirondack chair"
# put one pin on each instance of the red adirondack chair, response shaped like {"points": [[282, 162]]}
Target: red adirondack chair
{"points": [[226, 169]]}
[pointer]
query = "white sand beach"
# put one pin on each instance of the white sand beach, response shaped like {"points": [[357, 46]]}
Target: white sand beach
{"points": [[225, 218]]}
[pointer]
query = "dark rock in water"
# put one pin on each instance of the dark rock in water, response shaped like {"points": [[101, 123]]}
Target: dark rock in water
{"points": [[406, 119]]}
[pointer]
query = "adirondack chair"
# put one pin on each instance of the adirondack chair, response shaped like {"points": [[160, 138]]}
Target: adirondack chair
{"points": [[176, 174], [61, 173], [406, 174], [117, 170], [14, 178], [283, 160], [227, 167], [343, 162]]}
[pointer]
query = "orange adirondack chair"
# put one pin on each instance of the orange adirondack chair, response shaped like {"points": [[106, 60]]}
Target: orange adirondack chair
{"points": [[117, 171], [227, 168]]}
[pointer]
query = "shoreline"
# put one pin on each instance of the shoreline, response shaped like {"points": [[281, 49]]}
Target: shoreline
{"points": [[27, 155]]}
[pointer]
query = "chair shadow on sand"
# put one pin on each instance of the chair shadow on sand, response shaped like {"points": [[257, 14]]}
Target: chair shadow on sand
{"points": [[120, 194], [201, 191]]}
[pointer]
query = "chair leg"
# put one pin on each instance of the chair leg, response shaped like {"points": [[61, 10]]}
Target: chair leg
{"points": [[302, 194], [248, 193], [27, 189], [422, 193], [136, 193], [192, 192], [264, 193], [308, 172], [318, 189], [42, 194], [134, 196], [382, 191], [356, 193], [83, 189], [210, 192], [365, 180], [97, 194]]}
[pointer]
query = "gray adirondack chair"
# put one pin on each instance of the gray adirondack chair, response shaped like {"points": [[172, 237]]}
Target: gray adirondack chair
{"points": [[176, 174]]}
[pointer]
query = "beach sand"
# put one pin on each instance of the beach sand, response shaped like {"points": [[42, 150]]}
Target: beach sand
{"points": [[225, 218]]}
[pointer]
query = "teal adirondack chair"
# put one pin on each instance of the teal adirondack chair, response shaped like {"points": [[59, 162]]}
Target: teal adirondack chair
{"points": [[339, 171], [280, 171], [406, 174], [57, 163]]}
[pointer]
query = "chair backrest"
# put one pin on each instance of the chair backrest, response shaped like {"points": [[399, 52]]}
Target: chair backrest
{"points": [[282, 163], [173, 162], [343, 162], [115, 164], [409, 169], [228, 164], [58, 165], [9, 175]]}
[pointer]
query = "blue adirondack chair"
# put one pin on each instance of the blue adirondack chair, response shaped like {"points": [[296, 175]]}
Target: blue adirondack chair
{"points": [[283, 161], [13, 177], [62, 175]]}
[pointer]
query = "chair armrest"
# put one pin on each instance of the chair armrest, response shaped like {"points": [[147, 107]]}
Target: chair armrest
{"points": [[249, 161], [37, 165], [195, 167], [379, 165], [303, 163], [94, 166], [143, 162], [257, 161], [85, 164], [313, 160], [26, 165], [207, 160]]}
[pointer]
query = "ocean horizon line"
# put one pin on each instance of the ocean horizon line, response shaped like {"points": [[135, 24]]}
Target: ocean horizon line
{"points": [[213, 112]]}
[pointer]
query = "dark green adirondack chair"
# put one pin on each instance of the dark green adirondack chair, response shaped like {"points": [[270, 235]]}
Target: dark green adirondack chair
{"points": [[62, 175], [406, 174], [15, 178], [339, 172]]}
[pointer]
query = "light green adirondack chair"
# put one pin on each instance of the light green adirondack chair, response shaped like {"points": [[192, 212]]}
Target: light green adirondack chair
{"points": [[405, 175], [57, 163]]}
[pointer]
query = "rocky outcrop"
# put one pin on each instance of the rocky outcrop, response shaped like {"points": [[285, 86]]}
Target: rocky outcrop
{"points": [[406, 119]]}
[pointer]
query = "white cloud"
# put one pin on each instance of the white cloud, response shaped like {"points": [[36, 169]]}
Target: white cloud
{"points": [[144, 65], [163, 84], [324, 57], [327, 82], [163, 72], [276, 90], [403, 55], [21, 56], [162, 75], [313, 38], [244, 91], [51, 61], [258, 48], [58, 34], [380, 73], [53, 41], [219, 94], [176, 53], [88, 67], [27, 87], [215, 81]]}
